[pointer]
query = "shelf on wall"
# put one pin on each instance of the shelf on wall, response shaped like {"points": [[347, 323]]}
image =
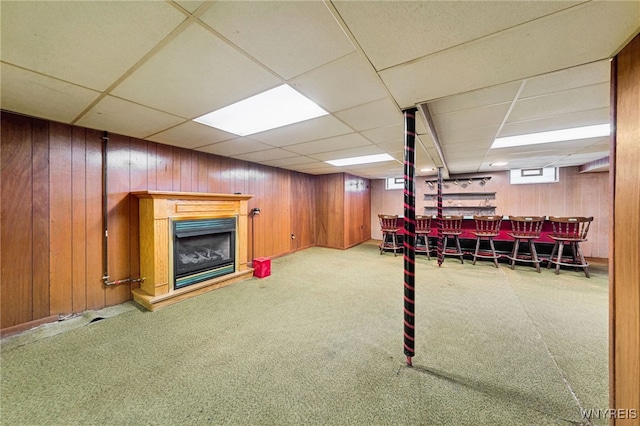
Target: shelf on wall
{"points": [[461, 180], [464, 194]]}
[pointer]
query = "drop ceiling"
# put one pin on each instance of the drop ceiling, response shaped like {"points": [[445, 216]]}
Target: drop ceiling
{"points": [[475, 70]]}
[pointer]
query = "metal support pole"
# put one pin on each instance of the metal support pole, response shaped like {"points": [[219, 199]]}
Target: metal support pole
{"points": [[440, 238], [409, 232]]}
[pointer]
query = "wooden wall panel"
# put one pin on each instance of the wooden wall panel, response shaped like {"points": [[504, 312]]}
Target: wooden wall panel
{"points": [[329, 211], [303, 211], [61, 166], [78, 220], [357, 210], [17, 232], [625, 259], [164, 167], [40, 264], [96, 292], [119, 200], [60, 190]]}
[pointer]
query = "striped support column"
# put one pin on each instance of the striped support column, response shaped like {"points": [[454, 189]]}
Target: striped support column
{"points": [[440, 238], [409, 232]]}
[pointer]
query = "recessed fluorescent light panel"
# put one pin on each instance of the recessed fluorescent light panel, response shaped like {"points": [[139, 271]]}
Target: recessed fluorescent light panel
{"points": [[553, 136], [498, 164], [268, 110], [361, 160]]}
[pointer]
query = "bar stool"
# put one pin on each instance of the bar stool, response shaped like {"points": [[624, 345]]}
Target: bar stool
{"points": [[525, 228], [423, 229], [452, 227], [486, 227], [390, 229], [571, 231]]}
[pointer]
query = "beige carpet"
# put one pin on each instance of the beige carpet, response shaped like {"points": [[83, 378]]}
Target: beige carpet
{"points": [[320, 342]]}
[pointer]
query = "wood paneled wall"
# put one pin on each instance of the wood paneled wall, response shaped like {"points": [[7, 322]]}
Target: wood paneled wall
{"points": [[624, 261], [51, 202], [343, 210], [576, 194]]}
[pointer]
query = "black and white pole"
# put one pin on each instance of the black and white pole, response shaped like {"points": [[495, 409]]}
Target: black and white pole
{"points": [[409, 232], [441, 247]]}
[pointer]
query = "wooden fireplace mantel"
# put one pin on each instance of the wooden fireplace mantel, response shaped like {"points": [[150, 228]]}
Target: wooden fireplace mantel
{"points": [[157, 210]]}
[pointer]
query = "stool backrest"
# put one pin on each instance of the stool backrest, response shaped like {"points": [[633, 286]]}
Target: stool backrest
{"points": [[423, 224], [571, 227], [451, 223], [488, 224], [527, 226], [388, 221]]}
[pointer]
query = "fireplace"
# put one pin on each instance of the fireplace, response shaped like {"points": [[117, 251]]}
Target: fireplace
{"points": [[202, 249], [190, 243]]}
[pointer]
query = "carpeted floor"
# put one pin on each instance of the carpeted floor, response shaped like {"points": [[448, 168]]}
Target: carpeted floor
{"points": [[320, 342]]}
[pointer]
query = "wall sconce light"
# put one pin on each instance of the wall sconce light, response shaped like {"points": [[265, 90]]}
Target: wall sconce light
{"points": [[255, 211], [455, 182], [470, 181]]}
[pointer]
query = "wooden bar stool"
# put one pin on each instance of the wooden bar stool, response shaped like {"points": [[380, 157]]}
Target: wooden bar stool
{"points": [[525, 228], [423, 229], [487, 227], [452, 227], [569, 231], [390, 229]]}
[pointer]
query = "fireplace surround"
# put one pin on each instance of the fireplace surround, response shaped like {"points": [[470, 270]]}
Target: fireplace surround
{"points": [[190, 243]]}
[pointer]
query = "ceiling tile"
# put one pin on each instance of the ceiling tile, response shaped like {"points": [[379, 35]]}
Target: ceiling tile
{"points": [[305, 131], [584, 75], [469, 135], [34, 94], [288, 37], [184, 78], [382, 28], [549, 44], [104, 41], [293, 161], [341, 84], [502, 93], [330, 144], [189, 6], [381, 135], [347, 153], [380, 113], [315, 165], [236, 146], [269, 154], [126, 118], [557, 122], [471, 118], [191, 135], [564, 102]]}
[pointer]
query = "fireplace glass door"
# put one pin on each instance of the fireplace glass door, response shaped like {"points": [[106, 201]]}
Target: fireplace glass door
{"points": [[203, 249]]}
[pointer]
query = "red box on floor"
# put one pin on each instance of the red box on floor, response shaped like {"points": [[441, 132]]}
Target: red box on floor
{"points": [[262, 267]]}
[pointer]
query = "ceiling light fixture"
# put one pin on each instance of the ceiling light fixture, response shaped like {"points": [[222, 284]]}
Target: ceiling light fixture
{"points": [[360, 160], [553, 136], [498, 164], [268, 110]]}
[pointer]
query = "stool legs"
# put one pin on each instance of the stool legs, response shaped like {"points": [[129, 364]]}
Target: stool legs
{"points": [[532, 249], [493, 251], [578, 257], [458, 247], [534, 254], [393, 242]]}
